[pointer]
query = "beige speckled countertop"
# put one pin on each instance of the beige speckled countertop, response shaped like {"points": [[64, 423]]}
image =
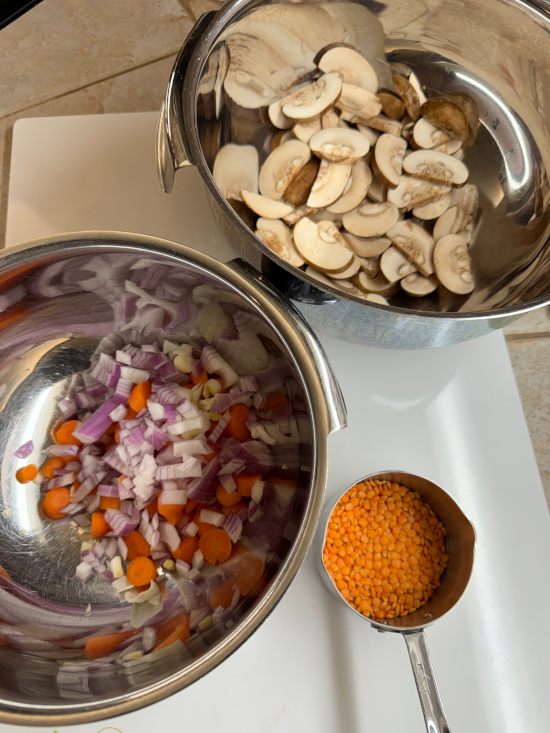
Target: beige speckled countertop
{"points": [[70, 57]]}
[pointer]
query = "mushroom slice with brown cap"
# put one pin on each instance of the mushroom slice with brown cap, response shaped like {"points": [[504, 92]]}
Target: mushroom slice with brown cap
{"points": [[371, 134], [417, 285], [413, 192], [434, 209], [277, 236], [370, 220], [358, 102], [409, 97], [415, 243], [264, 207], [447, 116], [395, 266], [378, 193], [277, 117], [280, 167], [236, 170], [306, 129], [375, 298], [350, 66], [370, 265], [314, 99], [378, 284], [413, 80], [436, 167], [352, 270], [329, 184], [428, 136], [384, 124], [367, 248], [299, 188], [355, 190], [339, 145], [388, 159], [392, 105], [452, 265], [460, 214], [320, 247], [297, 214], [469, 106], [330, 118]]}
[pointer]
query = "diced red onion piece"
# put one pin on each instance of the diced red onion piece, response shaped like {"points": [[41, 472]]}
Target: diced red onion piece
{"points": [[173, 497], [84, 571], [228, 482], [170, 535], [136, 376], [210, 517], [233, 526], [24, 450], [191, 529]]}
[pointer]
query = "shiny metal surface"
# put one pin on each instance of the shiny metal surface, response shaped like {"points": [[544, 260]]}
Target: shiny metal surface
{"points": [[460, 543], [67, 292], [497, 52]]}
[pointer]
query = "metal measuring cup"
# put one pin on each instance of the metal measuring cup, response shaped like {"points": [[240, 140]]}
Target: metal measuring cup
{"points": [[460, 544]]}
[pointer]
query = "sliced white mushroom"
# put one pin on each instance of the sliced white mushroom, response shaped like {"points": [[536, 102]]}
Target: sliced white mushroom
{"points": [[350, 66], [355, 190], [466, 236], [347, 117], [395, 266], [264, 207], [322, 278], [221, 73], [299, 188], [449, 148], [447, 116], [280, 167], [392, 104], [366, 247], [460, 153], [434, 209], [326, 215], [370, 265], [460, 214], [388, 159], [297, 214], [452, 265], [330, 118], [277, 236], [417, 285], [413, 80], [413, 192], [314, 99], [446, 224], [352, 270], [320, 246], [236, 170], [378, 284], [377, 191], [436, 167], [306, 129], [408, 95], [371, 134], [346, 287], [408, 127], [358, 102], [428, 136], [384, 124], [415, 243], [370, 220], [329, 184], [338, 145], [344, 125], [375, 298], [278, 117]]}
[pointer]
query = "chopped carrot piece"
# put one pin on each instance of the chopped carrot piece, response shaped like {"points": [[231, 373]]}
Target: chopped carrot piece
{"points": [[50, 466], [203, 526], [201, 379], [186, 550], [169, 626], [64, 435], [245, 482], [117, 431], [234, 508], [26, 474], [139, 396], [4, 573], [130, 414], [236, 427], [225, 498], [246, 567], [109, 502], [174, 518], [141, 571], [137, 545], [191, 506], [223, 594], [274, 402], [181, 633], [153, 507], [170, 510], [55, 500], [215, 545], [121, 478], [110, 444], [111, 429], [102, 646], [100, 525]]}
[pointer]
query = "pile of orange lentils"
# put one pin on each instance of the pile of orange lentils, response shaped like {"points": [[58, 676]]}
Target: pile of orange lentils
{"points": [[384, 549]]}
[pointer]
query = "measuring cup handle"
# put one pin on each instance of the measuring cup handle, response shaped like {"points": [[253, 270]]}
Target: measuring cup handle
{"points": [[424, 676]]}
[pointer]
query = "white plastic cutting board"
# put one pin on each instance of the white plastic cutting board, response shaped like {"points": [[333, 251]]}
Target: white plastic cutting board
{"points": [[450, 414]]}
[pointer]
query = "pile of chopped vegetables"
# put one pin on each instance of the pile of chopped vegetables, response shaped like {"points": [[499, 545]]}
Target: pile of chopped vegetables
{"points": [[174, 463]]}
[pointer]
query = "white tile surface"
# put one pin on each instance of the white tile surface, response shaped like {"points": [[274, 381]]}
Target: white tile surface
{"points": [[450, 414]]}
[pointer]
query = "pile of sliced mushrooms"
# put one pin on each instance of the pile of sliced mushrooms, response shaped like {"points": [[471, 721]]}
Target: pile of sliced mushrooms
{"points": [[364, 187]]}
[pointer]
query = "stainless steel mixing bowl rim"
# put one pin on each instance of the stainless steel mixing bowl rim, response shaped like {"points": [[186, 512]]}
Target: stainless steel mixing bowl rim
{"points": [[185, 77], [260, 294], [327, 576]]}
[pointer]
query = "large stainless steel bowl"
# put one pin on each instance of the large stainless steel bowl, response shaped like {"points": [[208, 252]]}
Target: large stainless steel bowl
{"points": [[58, 297], [497, 51]]}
